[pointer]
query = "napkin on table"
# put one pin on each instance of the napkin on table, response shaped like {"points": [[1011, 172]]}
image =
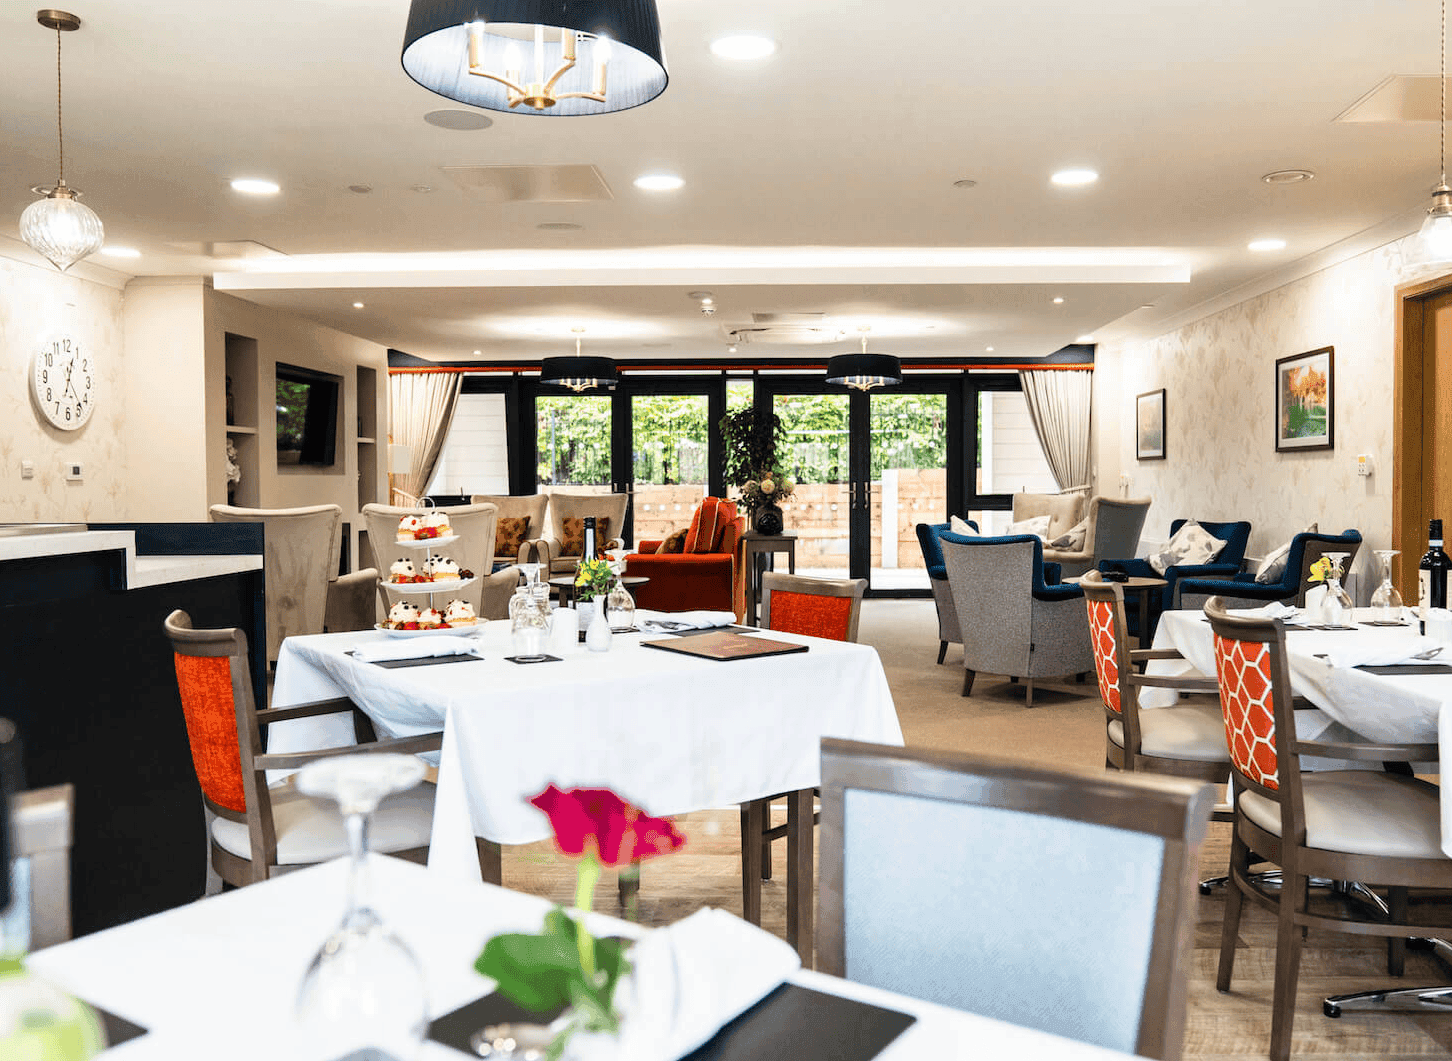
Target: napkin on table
{"points": [[667, 621], [415, 648], [1273, 610], [1383, 655], [695, 976]]}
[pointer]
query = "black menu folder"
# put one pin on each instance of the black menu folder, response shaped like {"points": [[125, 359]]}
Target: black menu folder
{"points": [[724, 645], [793, 1023]]}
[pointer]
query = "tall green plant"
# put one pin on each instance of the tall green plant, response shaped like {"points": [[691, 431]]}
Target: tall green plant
{"points": [[750, 443]]}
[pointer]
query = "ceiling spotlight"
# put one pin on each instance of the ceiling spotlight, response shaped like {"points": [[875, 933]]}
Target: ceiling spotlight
{"points": [[1058, 300], [1084, 339], [1069, 178], [1288, 176], [988, 349], [965, 183], [459, 121], [252, 186], [743, 47], [357, 305], [478, 352], [558, 226], [360, 189], [1266, 245], [659, 182], [731, 349], [121, 252]]}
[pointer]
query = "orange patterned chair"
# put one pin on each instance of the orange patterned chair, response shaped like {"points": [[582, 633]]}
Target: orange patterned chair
{"points": [[256, 829], [1375, 826], [709, 574]]}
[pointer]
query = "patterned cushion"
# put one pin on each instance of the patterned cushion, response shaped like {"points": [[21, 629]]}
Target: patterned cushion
{"points": [[961, 526], [675, 543], [512, 532], [1274, 566], [1037, 525], [574, 543], [1073, 539], [205, 683], [710, 519], [1192, 544], [1106, 662], [1242, 669], [811, 614]]}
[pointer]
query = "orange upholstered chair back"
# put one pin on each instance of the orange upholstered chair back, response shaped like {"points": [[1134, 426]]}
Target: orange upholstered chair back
{"points": [[1243, 669], [216, 693], [817, 607], [1106, 660], [708, 525]]}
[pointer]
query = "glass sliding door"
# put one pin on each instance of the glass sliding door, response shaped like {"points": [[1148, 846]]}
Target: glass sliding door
{"points": [[907, 482], [670, 448], [817, 455], [573, 443]]}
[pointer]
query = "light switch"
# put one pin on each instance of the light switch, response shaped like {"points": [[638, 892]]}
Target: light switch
{"points": [[1363, 464], [27, 469], [75, 471]]}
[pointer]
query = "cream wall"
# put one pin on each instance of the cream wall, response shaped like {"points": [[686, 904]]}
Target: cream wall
{"points": [[35, 303], [1218, 373]]}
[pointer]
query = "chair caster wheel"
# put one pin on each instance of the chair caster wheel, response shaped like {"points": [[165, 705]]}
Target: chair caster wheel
{"points": [[1206, 889], [1330, 1009]]}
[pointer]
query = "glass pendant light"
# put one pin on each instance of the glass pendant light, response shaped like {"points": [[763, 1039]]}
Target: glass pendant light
{"points": [[1435, 237]]}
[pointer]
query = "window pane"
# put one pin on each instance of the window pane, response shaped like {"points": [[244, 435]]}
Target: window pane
{"points": [[1010, 458], [816, 456], [670, 461], [573, 441], [909, 451], [475, 457]]}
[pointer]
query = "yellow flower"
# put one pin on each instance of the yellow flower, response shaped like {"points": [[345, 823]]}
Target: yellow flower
{"points": [[1323, 569]]}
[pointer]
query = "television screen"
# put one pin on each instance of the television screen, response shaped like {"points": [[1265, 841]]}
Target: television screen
{"points": [[307, 416]]}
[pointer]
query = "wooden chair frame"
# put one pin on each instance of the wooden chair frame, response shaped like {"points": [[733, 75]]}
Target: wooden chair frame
{"points": [[1173, 809], [1250, 843]]}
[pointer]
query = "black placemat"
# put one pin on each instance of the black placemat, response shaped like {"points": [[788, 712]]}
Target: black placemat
{"points": [[425, 661], [1382, 622], [118, 1029], [1408, 668], [526, 660], [792, 1022]]}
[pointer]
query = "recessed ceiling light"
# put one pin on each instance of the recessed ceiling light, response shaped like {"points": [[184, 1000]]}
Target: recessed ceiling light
{"points": [[360, 189], [121, 252], [1058, 300], [357, 305], [423, 189], [462, 121], [478, 352], [252, 186], [1084, 339], [743, 47], [965, 183], [1069, 178], [1289, 176], [1266, 245], [731, 349], [659, 182], [558, 226], [989, 349]]}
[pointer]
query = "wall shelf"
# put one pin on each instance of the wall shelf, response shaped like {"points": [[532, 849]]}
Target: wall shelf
{"points": [[238, 429], [366, 441]]}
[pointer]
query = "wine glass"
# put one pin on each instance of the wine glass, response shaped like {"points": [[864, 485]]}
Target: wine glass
{"points": [[1336, 606], [364, 988], [1386, 601]]}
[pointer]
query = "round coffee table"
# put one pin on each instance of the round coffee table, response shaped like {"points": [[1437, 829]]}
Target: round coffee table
{"points": [[566, 585]]}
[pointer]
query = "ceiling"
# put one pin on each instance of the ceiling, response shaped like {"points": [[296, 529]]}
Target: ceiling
{"points": [[818, 181]]}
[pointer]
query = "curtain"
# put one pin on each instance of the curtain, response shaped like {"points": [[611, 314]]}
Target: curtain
{"points": [[1058, 402], [421, 408]]}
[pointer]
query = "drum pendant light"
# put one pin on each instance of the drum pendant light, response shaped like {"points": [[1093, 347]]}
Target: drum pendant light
{"points": [[864, 371], [579, 373]]}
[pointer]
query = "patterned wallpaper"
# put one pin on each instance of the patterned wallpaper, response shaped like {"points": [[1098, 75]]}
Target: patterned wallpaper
{"points": [[1220, 407], [34, 304]]}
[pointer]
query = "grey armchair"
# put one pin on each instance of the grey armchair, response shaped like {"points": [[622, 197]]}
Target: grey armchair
{"points": [[1115, 524], [1017, 620]]}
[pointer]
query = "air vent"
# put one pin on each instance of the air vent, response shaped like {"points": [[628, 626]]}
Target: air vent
{"points": [[801, 319], [780, 334], [531, 184]]}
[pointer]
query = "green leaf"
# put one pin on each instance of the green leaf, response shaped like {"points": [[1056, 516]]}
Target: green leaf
{"points": [[533, 971]]}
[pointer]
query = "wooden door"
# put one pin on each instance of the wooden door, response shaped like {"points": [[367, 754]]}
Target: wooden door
{"points": [[1422, 481]]}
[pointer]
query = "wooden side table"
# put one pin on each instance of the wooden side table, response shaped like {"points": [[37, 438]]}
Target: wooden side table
{"points": [[760, 556], [1141, 587]]}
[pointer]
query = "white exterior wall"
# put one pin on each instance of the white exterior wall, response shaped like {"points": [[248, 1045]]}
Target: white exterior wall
{"points": [[475, 459]]}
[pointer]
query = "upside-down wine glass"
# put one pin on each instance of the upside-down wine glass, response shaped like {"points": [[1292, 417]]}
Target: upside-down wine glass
{"points": [[1336, 607], [1386, 601], [364, 988]]}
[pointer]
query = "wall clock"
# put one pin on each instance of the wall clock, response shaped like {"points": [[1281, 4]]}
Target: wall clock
{"points": [[63, 382]]}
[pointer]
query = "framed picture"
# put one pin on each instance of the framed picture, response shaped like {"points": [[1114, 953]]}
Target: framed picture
{"points": [[1305, 401], [1149, 426]]}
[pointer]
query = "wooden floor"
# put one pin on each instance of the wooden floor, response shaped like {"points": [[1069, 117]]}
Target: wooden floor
{"points": [[1067, 728]]}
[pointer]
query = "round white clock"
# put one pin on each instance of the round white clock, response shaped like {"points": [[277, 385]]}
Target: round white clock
{"points": [[63, 381]]}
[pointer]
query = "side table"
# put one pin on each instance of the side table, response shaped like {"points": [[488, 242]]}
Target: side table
{"points": [[1141, 587], [760, 555]]}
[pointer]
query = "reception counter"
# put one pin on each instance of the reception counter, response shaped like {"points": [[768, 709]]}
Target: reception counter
{"points": [[86, 673]]}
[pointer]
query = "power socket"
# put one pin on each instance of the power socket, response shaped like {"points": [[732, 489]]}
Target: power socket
{"points": [[75, 471], [27, 469]]}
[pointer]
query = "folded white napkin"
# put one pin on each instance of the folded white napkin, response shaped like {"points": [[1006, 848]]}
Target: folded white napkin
{"points": [[1273, 610], [1385, 655], [415, 648], [693, 977], [668, 621]]}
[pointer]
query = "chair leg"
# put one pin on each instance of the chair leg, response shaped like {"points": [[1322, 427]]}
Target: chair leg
{"points": [[968, 677], [1396, 946], [765, 844], [1230, 924], [753, 821], [942, 650], [1028, 700], [1289, 937]]}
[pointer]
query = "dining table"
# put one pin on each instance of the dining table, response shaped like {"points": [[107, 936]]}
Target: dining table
{"points": [[218, 978], [670, 732]]}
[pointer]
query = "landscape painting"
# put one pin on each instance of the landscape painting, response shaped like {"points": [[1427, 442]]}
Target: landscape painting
{"points": [[1305, 401], [1149, 426]]}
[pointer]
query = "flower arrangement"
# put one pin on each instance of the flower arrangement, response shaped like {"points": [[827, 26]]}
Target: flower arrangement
{"points": [[563, 965], [593, 578], [770, 487], [1324, 570]]}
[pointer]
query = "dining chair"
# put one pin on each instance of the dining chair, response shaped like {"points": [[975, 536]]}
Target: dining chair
{"points": [[816, 607], [476, 527], [1373, 826], [256, 829], [1187, 740], [1052, 899]]}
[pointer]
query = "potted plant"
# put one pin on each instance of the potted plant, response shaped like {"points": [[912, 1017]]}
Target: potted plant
{"points": [[751, 439]]}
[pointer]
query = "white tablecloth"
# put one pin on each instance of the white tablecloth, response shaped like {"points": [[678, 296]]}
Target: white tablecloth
{"points": [[216, 979], [1403, 709], [671, 733]]}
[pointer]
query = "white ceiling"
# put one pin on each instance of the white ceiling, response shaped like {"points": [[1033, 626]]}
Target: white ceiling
{"points": [[849, 138]]}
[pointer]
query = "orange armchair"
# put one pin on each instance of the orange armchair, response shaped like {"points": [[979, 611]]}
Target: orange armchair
{"points": [[710, 574]]}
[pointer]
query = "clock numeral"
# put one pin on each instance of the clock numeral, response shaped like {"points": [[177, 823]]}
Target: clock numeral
{"points": [[49, 360], [68, 412], [48, 396], [45, 375], [67, 344]]}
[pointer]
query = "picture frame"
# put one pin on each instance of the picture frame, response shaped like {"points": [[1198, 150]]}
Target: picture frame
{"points": [[1306, 401], [1149, 426]]}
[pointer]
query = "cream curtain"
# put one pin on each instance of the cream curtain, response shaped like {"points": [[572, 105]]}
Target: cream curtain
{"points": [[421, 408], [1058, 401]]}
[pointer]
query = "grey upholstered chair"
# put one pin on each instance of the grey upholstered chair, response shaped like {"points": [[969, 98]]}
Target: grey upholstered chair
{"points": [[475, 527], [565, 506], [949, 631], [530, 507], [1115, 524], [299, 563], [1052, 900], [1015, 619]]}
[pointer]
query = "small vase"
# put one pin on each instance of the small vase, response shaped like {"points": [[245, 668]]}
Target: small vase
{"points": [[598, 635], [767, 520]]}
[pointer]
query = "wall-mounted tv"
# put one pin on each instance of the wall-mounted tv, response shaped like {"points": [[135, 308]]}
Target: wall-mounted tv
{"points": [[307, 416]]}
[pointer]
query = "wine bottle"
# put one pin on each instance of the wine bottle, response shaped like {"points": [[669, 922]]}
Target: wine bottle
{"points": [[1432, 573], [590, 539]]}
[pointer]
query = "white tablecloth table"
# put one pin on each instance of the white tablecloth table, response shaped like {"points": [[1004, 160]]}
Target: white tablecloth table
{"points": [[1397, 709], [217, 978]]}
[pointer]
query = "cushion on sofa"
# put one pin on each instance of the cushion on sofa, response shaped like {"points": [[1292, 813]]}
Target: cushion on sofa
{"points": [[1073, 538], [574, 543], [1038, 525], [675, 542], [961, 526], [510, 535], [1192, 544], [1274, 565]]}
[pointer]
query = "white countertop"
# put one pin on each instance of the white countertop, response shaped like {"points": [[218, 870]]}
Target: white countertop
{"points": [[140, 571]]}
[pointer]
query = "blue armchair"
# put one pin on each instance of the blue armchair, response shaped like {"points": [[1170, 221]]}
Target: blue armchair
{"points": [[948, 630], [1227, 564], [1243, 591], [1024, 623]]}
